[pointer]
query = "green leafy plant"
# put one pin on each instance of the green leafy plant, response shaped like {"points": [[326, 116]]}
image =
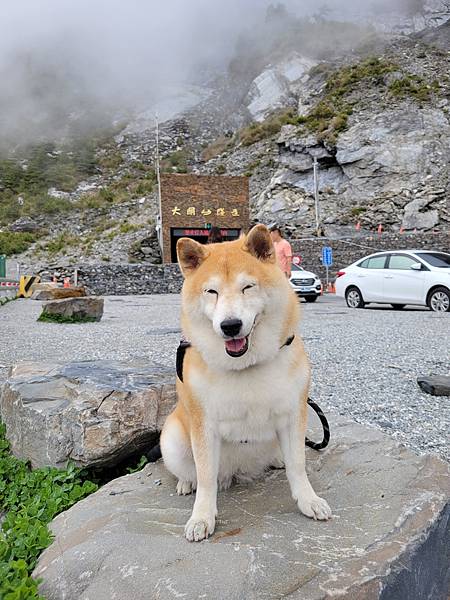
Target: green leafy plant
{"points": [[30, 499], [140, 465]]}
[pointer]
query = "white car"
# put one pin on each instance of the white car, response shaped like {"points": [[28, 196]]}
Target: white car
{"points": [[400, 277], [305, 284]]}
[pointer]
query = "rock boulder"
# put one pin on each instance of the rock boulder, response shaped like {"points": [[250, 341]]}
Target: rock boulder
{"points": [[93, 413], [88, 308], [387, 539]]}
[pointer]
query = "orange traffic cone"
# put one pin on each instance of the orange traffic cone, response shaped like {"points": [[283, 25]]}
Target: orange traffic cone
{"points": [[66, 282], [358, 226], [380, 229]]}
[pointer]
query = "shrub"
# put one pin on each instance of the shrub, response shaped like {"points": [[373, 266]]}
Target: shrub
{"points": [[12, 242], [221, 169]]}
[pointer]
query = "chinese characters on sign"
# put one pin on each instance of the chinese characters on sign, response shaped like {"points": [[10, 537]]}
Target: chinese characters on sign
{"points": [[191, 211]]}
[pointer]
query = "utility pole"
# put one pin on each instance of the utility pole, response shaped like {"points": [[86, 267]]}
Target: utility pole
{"points": [[316, 194], [158, 182]]}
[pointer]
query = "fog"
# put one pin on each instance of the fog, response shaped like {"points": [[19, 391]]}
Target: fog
{"points": [[61, 60]]}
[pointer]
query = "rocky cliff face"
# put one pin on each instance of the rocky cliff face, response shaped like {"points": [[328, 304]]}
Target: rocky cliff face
{"points": [[375, 120], [385, 161]]}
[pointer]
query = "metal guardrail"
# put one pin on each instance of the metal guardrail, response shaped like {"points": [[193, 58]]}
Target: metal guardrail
{"points": [[8, 287]]}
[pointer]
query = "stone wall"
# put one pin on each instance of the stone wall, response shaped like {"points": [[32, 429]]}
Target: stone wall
{"points": [[120, 280], [166, 279]]}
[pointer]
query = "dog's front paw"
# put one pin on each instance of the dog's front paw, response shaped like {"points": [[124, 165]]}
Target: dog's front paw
{"points": [[315, 507], [198, 528]]}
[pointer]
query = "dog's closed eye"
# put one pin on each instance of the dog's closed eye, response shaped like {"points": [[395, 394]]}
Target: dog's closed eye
{"points": [[248, 287], [212, 292]]}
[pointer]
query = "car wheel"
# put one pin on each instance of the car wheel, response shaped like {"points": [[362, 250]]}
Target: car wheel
{"points": [[398, 306], [311, 298], [439, 300], [354, 298]]}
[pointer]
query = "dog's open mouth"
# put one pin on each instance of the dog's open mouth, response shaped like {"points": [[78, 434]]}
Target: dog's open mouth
{"points": [[236, 347]]}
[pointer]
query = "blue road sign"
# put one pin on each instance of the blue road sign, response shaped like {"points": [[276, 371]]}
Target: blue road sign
{"points": [[327, 256]]}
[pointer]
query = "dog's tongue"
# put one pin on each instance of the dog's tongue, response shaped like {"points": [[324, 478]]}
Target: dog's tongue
{"points": [[235, 345]]}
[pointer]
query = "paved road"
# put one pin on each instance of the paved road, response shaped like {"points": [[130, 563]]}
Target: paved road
{"points": [[365, 362]]}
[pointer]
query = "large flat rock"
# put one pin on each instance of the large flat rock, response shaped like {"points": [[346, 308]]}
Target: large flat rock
{"points": [[388, 537], [93, 413]]}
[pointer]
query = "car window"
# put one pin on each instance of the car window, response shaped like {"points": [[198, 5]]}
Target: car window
{"points": [[401, 261], [436, 259], [296, 268], [376, 262]]}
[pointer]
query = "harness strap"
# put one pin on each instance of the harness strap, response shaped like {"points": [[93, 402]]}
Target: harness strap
{"points": [[181, 351]]}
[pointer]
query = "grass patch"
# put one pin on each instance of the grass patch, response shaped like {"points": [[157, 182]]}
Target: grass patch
{"points": [[413, 86], [49, 318], [14, 242], [357, 210], [330, 115], [60, 243], [31, 499], [5, 299], [218, 147], [128, 228], [256, 132], [177, 162]]}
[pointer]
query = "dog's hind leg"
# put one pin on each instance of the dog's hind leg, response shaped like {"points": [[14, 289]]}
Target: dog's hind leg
{"points": [[177, 454]]}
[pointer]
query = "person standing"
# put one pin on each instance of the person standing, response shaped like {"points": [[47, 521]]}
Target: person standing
{"points": [[283, 250], [215, 236]]}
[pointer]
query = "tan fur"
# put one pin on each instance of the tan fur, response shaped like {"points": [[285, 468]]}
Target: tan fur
{"points": [[259, 398]]}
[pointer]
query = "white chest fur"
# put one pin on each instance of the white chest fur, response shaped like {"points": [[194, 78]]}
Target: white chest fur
{"points": [[251, 404]]}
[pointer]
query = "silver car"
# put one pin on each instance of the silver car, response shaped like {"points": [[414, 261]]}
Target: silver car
{"points": [[305, 284]]}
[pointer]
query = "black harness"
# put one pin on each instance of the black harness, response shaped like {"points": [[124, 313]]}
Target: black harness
{"points": [[181, 351]]}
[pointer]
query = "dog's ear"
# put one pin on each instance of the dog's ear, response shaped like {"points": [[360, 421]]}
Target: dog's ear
{"points": [[190, 254], [259, 244]]}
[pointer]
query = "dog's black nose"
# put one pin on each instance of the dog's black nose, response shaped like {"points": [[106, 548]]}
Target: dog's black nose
{"points": [[231, 327]]}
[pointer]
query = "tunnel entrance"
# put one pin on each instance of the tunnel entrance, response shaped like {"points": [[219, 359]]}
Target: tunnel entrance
{"points": [[199, 235]]}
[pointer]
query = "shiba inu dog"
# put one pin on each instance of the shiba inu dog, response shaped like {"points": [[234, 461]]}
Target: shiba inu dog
{"points": [[242, 404]]}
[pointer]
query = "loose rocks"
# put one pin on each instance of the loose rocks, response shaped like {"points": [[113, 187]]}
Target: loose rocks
{"points": [[88, 412]]}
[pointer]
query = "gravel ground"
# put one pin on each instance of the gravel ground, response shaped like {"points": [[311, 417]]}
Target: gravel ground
{"points": [[365, 362]]}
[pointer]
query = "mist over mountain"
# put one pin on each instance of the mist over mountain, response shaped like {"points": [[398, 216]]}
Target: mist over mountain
{"points": [[68, 66]]}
